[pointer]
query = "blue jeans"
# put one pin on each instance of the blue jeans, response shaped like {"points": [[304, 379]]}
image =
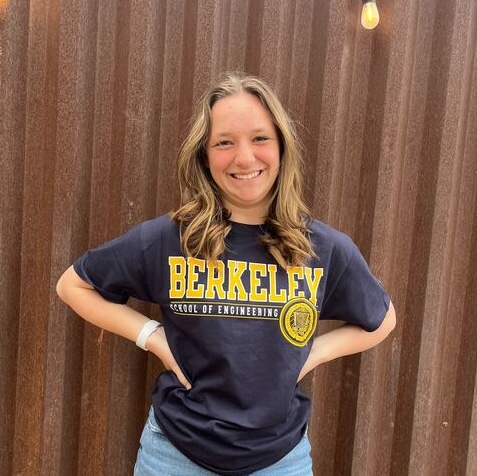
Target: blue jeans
{"points": [[158, 457]]}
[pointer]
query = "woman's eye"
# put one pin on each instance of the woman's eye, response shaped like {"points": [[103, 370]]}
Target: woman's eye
{"points": [[223, 144], [261, 138]]}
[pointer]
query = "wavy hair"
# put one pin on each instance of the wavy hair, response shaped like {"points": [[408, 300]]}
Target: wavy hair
{"points": [[202, 216]]}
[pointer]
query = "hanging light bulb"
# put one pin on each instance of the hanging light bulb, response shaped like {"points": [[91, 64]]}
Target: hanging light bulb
{"points": [[369, 14]]}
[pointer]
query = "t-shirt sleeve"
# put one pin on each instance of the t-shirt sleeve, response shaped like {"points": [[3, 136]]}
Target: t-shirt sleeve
{"points": [[353, 294], [116, 269]]}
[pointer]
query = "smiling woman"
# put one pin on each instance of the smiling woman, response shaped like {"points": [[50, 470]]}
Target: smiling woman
{"points": [[243, 155], [242, 273], [241, 126]]}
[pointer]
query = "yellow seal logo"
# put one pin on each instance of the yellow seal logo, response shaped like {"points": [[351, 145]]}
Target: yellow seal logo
{"points": [[298, 321]]}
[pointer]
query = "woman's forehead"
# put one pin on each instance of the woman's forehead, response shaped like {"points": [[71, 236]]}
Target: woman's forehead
{"points": [[239, 111]]}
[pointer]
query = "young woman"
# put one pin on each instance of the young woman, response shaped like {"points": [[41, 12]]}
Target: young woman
{"points": [[242, 273]]}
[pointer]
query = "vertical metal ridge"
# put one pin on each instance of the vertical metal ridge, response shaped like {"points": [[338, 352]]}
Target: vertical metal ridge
{"points": [[13, 79]]}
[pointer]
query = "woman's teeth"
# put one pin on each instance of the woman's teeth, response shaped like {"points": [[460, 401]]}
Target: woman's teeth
{"points": [[247, 176]]}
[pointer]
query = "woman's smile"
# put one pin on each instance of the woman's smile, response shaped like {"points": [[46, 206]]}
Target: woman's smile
{"points": [[248, 176]]}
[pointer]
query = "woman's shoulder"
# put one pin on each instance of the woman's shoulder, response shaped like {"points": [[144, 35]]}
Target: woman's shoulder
{"points": [[323, 232], [153, 230], [159, 224], [330, 241]]}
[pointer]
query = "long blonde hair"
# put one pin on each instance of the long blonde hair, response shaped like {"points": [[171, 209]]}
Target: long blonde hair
{"points": [[202, 216]]}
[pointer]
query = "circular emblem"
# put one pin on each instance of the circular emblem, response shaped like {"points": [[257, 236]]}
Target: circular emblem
{"points": [[298, 320]]}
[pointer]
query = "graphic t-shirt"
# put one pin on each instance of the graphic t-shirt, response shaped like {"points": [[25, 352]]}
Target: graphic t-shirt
{"points": [[240, 328]]}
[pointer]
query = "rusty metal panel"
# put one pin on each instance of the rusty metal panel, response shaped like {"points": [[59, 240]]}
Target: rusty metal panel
{"points": [[94, 101]]}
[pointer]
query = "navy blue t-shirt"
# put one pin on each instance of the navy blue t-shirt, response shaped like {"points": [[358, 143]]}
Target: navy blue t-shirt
{"points": [[240, 329]]}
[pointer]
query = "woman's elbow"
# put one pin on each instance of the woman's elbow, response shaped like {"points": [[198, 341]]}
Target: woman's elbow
{"points": [[61, 286], [389, 322], [68, 281]]}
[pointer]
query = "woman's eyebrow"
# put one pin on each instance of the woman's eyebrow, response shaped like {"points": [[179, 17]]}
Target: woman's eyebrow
{"points": [[257, 130]]}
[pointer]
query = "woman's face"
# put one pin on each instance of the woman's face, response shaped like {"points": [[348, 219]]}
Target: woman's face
{"points": [[243, 155]]}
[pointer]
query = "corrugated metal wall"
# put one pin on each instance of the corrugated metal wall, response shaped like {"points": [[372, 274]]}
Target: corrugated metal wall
{"points": [[94, 99]]}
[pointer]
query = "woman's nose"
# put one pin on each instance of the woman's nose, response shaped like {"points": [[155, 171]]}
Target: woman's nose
{"points": [[244, 156]]}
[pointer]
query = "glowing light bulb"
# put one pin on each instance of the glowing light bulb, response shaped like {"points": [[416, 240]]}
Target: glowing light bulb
{"points": [[369, 14]]}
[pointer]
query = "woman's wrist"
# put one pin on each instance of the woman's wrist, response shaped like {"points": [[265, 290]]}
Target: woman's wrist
{"points": [[155, 341], [146, 331]]}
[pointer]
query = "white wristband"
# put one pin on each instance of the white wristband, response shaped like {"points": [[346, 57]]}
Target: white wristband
{"points": [[147, 329]]}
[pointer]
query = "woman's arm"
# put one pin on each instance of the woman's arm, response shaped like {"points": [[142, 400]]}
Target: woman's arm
{"points": [[347, 340], [116, 318]]}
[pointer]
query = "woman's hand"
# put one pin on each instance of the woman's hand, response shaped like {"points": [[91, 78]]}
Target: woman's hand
{"points": [[313, 359], [158, 345], [346, 340], [116, 318]]}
